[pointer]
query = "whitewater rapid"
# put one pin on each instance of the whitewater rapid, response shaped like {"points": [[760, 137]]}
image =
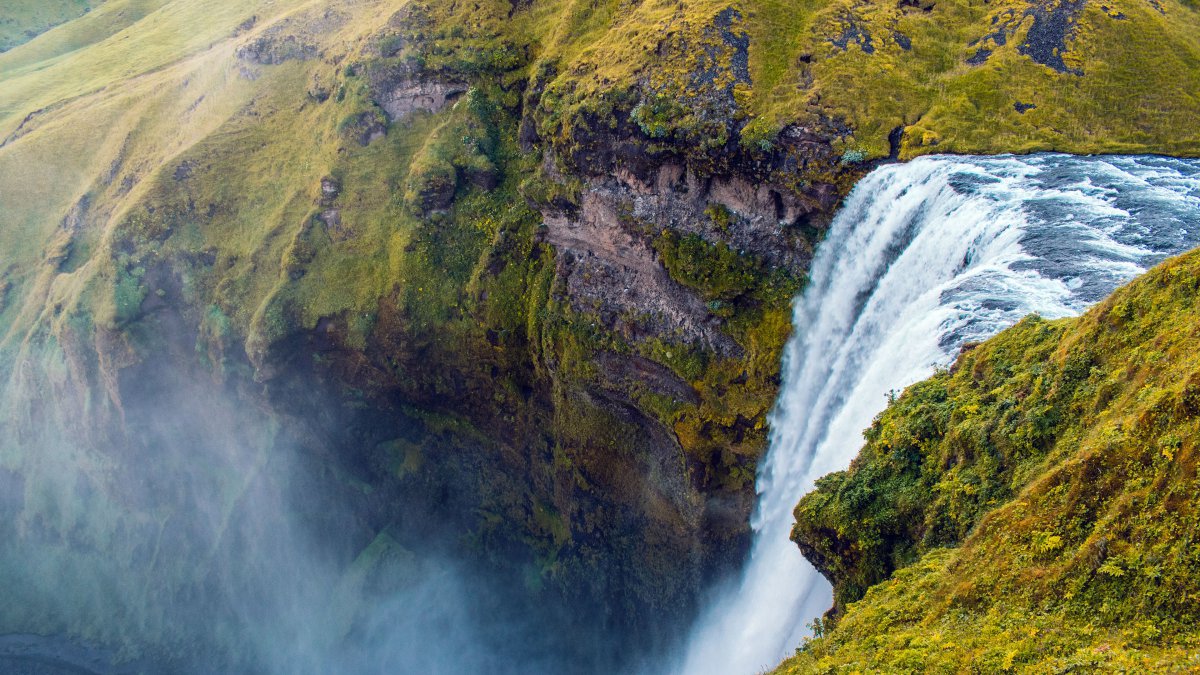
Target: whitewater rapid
{"points": [[922, 258]]}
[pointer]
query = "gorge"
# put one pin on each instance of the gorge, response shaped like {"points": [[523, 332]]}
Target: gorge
{"points": [[504, 336]]}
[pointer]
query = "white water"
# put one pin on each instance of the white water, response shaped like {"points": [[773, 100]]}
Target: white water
{"points": [[922, 258]]}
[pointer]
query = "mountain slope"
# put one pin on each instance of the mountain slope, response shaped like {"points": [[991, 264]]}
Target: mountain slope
{"points": [[24, 20], [1034, 508]]}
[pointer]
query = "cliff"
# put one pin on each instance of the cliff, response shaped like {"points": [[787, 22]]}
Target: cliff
{"points": [[1033, 508], [528, 261]]}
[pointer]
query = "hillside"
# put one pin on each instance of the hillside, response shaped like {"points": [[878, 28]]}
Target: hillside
{"points": [[23, 21], [527, 261], [1032, 509]]}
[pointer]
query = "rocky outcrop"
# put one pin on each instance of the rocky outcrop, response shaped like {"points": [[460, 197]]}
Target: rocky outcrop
{"points": [[402, 88], [274, 49], [609, 265], [291, 39], [403, 98]]}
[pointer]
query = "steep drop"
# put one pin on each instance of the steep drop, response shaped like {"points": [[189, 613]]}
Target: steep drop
{"points": [[924, 258]]}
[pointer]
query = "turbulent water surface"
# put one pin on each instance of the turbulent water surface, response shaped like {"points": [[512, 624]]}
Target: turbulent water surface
{"points": [[924, 257]]}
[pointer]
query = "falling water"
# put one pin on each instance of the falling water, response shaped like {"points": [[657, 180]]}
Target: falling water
{"points": [[924, 257]]}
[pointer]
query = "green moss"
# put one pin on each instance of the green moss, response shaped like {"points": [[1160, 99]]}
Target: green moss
{"points": [[464, 145], [720, 215], [128, 292], [718, 272], [658, 116]]}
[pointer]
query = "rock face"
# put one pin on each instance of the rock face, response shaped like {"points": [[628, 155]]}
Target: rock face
{"points": [[404, 98], [609, 264]]}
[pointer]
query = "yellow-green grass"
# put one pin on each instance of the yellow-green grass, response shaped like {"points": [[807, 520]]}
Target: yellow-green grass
{"points": [[1137, 91], [118, 146]]}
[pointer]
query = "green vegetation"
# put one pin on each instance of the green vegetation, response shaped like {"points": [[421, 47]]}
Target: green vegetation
{"points": [[911, 65], [1038, 501], [23, 20], [717, 271], [876, 68]]}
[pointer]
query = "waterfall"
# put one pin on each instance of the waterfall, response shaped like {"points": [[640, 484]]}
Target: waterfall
{"points": [[922, 258]]}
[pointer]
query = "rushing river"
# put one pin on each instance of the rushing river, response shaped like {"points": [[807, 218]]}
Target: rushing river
{"points": [[924, 257]]}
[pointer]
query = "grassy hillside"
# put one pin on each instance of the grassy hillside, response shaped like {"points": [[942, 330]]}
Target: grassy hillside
{"points": [[1038, 502], [968, 77], [23, 20]]}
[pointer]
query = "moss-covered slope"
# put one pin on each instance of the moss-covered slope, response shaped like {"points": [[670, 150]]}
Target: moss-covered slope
{"points": [[1038, 501]]}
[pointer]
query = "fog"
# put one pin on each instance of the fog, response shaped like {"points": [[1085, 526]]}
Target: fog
{"points": [[167, 521]]}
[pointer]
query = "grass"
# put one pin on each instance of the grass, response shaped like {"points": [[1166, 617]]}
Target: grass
{"points": [[23, 20], [945, 105]]}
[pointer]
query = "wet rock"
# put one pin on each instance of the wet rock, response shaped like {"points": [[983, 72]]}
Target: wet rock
{"points": [[184, 171], [1049, 36], [611, 268], [483, 177], [332, 218], [527, 133], [1053, 27], [980, 57], [318, 91], [434, 190], [625, 193], [366, 127], [854, 30], [74, 220]]}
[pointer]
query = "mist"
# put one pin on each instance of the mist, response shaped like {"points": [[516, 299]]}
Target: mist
{"points": [[168, 520]]}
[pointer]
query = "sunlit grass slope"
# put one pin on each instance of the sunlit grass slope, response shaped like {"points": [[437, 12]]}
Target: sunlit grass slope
{"points": [[1039, 500]]}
